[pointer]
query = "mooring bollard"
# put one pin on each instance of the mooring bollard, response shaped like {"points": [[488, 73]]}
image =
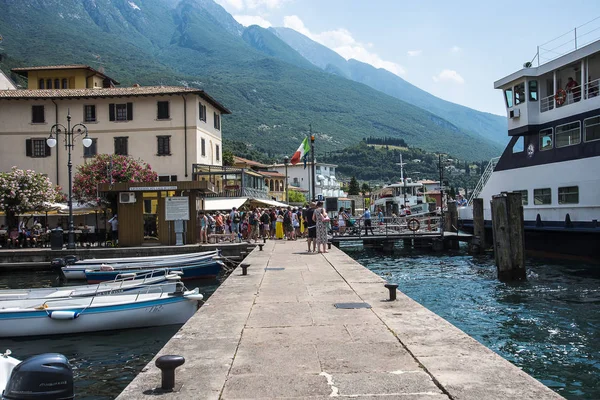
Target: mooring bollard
{"points": [[264, 239], [329, 245], [244, 268], [260, 246], [167, 365], [392, 288]]}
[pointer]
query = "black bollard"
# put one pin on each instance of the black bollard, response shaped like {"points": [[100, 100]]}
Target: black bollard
{"points": [[329, 245], [244, 268], [264, 239], [167, 365], [392, 288], [260, 246]]}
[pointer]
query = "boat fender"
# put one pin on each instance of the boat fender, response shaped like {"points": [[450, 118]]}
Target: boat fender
{"points": [[173, 277], [63, 315], [413, 224], [179, 273], [106, 267], [126, 275], [193, 294]]}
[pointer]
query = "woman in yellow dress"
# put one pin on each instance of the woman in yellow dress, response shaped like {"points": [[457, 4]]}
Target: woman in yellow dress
{"points": [[279, 227]]}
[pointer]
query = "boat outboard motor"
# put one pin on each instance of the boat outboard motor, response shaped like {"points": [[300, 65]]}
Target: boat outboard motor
{"points": [[43, 377], [58, 263], [70, 260]]}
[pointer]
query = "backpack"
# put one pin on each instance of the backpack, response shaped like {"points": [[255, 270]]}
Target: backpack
{"points": [[286, 217], [252, 219], [236, 218]]}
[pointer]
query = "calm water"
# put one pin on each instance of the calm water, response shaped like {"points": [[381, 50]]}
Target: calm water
{"points": [[549, 326], [104, 363]]}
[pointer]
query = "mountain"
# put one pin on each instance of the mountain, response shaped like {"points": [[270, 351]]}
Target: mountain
{"points": [[489, 126], [274, 94]]}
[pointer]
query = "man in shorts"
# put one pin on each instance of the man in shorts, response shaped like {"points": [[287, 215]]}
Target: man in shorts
{"points": [[235, 217], [312, 226]]}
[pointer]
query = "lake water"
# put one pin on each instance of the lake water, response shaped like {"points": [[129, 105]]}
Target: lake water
{"points": [[549, 325], [105, 362]]}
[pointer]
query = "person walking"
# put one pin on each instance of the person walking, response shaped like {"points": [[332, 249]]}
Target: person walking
{"points": [[311, 226], [367, 222], [202, 222], [342, 217], [321, 219]]}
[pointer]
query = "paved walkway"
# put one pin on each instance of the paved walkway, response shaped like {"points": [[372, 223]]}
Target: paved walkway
{"points": [[276, 333]]}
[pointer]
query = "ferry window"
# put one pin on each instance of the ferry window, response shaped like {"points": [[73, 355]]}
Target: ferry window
{"points": [[545, 139], [568, 134], [533, 91], [508, 93], [524, 198], [519, 145], [591, 128], [542, 196], [568, 195], [520, 93]]}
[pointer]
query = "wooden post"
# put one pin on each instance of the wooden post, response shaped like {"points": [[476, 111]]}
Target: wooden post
{"points": [[478, 227], [508, 229], [451, 225]]}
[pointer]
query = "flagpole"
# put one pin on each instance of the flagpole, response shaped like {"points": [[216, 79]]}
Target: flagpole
{"points": [[312, 157]]}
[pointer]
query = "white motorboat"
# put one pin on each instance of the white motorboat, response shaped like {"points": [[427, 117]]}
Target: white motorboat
{"points": [[553, 153], [77, 270], [127, 283], [33, 317], [7, 364]]}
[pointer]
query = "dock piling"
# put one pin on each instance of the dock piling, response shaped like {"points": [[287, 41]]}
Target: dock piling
{"points": [[167, 365], [244, 268], [509, 232], [392, 288], [478, 246]]}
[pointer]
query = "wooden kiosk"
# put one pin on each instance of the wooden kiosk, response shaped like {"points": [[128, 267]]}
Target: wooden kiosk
{"points": [[143, 214]]}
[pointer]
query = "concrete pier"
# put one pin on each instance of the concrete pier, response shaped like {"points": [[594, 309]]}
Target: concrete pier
{"points": [[281, 332]]}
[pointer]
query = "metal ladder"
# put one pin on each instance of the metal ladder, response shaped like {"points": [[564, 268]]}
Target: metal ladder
{"points": [[484, 178]]}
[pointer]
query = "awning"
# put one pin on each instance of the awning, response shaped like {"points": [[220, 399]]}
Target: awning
{"points": [[224, 204], [271, 203]]}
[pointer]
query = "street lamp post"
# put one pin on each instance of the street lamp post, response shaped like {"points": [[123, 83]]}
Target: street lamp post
{"points": [[286, 160], [70, 135]]}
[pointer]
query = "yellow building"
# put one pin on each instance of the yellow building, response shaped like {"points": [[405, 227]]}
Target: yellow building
{"points": [[168, 127]]}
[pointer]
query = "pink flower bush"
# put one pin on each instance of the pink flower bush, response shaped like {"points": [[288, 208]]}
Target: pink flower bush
{"points": [[99, 170]]}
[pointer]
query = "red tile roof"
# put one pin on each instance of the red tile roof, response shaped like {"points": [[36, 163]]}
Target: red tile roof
{"points": [[241, 160], [24, 70], [273, 174], [51, 94]]}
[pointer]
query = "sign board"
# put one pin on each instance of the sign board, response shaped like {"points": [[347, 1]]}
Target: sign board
{"points": [[151, 188], [177, 208]]}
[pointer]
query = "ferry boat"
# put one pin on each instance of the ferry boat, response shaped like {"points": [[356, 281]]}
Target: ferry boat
{"points": [[390, 198], [553, 156]]}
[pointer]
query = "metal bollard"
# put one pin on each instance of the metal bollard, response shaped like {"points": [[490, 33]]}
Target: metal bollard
{"points": [[167, 365], [260, 246], [392, 288], [244, 268], [329, 245], [264, 239]]}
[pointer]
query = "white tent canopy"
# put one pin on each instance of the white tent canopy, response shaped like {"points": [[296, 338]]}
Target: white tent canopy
{"points": [[224, 204]]}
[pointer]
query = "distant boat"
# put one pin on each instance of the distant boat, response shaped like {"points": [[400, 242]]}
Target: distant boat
{"points": [[196, 270], [77, 270], [35, 317], [126, 283]]}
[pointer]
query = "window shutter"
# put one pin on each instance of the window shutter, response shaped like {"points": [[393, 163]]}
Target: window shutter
{"points": [[29, 148], [48, 149], [125, 143], [111, 112], [129, 111]]}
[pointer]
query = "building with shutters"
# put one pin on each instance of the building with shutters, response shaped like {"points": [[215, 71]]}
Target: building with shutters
{"points": [[168, 127]]}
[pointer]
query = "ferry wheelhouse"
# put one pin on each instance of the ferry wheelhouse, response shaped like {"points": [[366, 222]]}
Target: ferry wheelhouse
{"points": [[553, 156], [390, 198]]}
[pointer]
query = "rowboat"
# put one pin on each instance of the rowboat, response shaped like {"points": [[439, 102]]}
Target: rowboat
{"points": [[197, 270], [7, 363], [145, 259], [124, 283], [33, 317], [77, 270]]}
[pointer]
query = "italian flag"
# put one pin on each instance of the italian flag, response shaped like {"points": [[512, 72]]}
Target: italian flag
{"points": [[302, 150]]}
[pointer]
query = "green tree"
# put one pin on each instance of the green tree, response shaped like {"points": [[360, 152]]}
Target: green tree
{"points": [[295, 197], [365, 188], [353, 188], [227, 158], [452, 193]]}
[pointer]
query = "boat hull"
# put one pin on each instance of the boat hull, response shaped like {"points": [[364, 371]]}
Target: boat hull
{"points": [[201, 271], [170, 310]]}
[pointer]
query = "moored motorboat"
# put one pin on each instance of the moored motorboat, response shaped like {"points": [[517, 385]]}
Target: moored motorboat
{"points": [[198, 270], [35, 317], [124, 283], [7, 364], [77, 270]]}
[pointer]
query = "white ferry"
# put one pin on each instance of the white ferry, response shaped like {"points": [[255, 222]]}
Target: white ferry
{"points": [[553, 157], [390, 198]]}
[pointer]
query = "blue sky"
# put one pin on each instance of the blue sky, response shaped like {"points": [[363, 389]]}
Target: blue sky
{"points": [[452, 49]]}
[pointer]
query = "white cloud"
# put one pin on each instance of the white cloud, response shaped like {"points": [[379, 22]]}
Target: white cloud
{"points": [[414, 53], [455, 49], [342, 42], [449, 75], [265, 3], [248, 20], [231, 4]]}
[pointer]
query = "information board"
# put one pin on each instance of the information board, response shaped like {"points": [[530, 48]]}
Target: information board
{"points": [[177, 209]]}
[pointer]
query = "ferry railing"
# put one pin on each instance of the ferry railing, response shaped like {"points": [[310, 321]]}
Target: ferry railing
{"points": [[484, 178], [568, 42], [429, 223]]}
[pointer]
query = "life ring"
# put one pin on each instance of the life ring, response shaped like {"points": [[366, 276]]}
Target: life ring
{"points": [[560, 97], [413, 224]]}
